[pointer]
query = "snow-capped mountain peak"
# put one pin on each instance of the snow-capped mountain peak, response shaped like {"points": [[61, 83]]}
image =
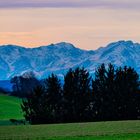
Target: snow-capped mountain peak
{"points": [[58, 58]]}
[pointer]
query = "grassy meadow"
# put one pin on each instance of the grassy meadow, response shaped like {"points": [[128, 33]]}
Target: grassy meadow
{"points": [[122, 130], [9, 109]]}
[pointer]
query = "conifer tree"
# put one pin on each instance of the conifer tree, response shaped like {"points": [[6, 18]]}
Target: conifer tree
{"points": [[77, 94], [34, 107], [53, 98]]}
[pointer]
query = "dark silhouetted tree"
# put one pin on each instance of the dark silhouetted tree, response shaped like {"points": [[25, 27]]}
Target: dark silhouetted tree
{"points": [[77, 95], [34, 107], [23, 85], [99, 92], [53, 97], [115, 93], [44, 104], [127, 88], [16, 86]]}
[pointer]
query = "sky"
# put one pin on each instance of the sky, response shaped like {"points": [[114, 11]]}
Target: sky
{"points": [[88, 24]]}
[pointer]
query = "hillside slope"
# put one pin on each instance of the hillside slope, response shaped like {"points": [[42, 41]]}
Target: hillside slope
{"points": [[10, 107]]}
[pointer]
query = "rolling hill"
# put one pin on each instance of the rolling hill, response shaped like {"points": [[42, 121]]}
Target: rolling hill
{"points": [[10, 108]]}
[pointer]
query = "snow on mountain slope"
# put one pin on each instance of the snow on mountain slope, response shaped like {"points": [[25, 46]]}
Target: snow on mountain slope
{"points": [[58, 58]]}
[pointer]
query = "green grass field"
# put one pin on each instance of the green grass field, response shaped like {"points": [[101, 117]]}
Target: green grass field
{"points": [[122, 130], [10, 108]]}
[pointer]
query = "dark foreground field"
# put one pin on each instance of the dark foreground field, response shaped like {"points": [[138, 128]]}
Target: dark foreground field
{"points": [[122, 130]]}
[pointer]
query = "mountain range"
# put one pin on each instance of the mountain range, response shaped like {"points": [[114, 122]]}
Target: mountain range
{"points": [[58, 58]]}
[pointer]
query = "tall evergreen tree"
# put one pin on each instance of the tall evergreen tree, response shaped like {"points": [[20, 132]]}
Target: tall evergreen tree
{"points": [[53, 97], [34, 107], [127, 88], [99, 86], [77, 94]]}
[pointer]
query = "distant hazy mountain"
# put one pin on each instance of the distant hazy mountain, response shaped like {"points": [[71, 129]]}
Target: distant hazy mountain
{"points": [[58, 58]]}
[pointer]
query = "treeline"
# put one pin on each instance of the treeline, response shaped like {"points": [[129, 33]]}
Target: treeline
{"points": [[113, 94], [23, 85]]}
